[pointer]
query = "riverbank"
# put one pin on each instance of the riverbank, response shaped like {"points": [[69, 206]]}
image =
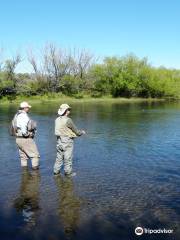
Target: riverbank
{"points": [[63, 98]]}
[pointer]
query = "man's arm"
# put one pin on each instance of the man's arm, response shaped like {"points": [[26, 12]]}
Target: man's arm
{"points": [[73, 127]]}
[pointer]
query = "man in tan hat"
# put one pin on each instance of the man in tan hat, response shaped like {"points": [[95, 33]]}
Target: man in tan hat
{"points": [[66, 131], [24, 129]]}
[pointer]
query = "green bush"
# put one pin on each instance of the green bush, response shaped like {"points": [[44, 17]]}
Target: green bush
{"points": [[78, 95]]}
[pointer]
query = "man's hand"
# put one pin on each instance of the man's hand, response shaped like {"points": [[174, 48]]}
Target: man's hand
{"points": [[83, 132]]}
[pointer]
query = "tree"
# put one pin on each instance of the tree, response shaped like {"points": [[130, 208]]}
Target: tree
{"points": [[1, 59], [56, 64], [39, 79], [10, 66]]}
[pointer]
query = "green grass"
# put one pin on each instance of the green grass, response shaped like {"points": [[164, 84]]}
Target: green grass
{"points": [[58, 97]]}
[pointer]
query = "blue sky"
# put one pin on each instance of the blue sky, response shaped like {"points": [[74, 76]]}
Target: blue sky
{"points": [[106, 28]]}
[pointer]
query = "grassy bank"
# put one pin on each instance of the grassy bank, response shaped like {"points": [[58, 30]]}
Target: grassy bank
{"points": [[77, 98]]}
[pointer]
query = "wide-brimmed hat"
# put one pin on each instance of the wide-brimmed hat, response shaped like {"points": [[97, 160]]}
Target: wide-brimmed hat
{"points": [[63, 108], [25, 105]]}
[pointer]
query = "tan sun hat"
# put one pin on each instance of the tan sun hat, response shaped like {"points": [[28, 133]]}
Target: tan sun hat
{"points": [[25, 105], [63, 108]]}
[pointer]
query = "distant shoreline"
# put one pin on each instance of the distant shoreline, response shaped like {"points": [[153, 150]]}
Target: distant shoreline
{"points": [[83, 99]]}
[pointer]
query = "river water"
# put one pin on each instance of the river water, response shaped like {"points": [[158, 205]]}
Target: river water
{"points": [[128, 175]]}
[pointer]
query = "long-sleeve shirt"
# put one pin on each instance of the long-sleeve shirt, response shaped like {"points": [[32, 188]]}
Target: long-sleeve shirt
{"points": [[22, 123], [64, 126]]}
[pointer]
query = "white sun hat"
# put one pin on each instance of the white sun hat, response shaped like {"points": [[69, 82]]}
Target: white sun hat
{"points": [[25, 105], [63, 108]]}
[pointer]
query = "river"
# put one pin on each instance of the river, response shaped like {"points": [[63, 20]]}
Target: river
{"points": [[128, 175]]}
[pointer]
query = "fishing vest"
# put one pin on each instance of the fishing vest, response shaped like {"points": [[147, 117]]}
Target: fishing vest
{"points": [[13, 126], [61, 128]]}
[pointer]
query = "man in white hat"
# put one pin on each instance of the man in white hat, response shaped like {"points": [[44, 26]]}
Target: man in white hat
{"points": [[24, 129], [66, 131]]}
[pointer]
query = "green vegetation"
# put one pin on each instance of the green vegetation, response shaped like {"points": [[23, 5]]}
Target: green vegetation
{"points": [[58, 97], [58, 73]]}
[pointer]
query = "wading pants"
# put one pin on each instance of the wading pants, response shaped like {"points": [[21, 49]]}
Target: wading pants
{"points": [[28, 149], [64, 155]]}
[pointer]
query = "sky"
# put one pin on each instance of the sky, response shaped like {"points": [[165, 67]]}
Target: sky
{"points": [[106, 28]]}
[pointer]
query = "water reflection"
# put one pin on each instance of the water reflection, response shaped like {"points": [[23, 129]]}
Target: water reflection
{"points": [[27, 202], [68, 206]]}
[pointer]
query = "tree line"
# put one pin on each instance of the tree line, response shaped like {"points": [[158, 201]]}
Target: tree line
{"points": [[77, 72]]}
